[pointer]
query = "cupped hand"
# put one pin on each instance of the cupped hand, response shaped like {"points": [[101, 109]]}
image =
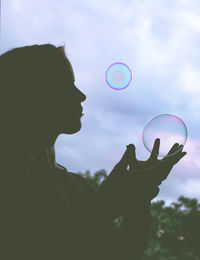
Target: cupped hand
{"points": [[133, 183], [153, 169]]}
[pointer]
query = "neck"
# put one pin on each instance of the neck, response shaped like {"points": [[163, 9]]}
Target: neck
{"points": [[42, 155]]}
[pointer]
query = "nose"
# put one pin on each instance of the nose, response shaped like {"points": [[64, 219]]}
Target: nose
{"points": [[81, 96]]}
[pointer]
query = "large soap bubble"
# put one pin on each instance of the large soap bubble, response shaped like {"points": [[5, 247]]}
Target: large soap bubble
{"points": [[118, 76], [169, 128]]}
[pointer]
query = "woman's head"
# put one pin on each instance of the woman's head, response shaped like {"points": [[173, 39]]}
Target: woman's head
{"points": [[38, 94]]}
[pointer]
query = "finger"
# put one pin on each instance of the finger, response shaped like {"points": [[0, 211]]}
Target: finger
{"points": [[155, 150], [121, 167], [179, 157], [132, 158], [131, 149], [172, 160], [180, 149], [173, 149], [125, 160]]}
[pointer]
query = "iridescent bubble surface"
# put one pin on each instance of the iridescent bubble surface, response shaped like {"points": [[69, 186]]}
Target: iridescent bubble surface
{"points": [[169, 128], [118, 76]]}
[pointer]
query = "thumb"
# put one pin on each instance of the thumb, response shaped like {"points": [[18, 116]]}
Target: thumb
{"points": [[129, 157], [121, 167], [124, 160], [122, 164]]}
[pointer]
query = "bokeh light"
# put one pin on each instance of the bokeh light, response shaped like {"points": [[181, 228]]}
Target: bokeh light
{"points": [[118, 76], [169, 128]]}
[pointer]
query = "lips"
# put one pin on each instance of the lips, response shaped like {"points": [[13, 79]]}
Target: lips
{"points": [[78, 111]]}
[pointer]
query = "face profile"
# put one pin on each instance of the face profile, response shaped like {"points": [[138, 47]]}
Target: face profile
{"points": [[69, 109], [39, 95]]}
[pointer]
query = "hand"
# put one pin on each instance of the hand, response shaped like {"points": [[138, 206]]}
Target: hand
{"points": [[154, 169], [120, 190], [133, 187]]}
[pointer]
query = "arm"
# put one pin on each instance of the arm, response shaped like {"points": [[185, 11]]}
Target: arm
{"points": [[135, 232], [130, 241], [132, 187]]}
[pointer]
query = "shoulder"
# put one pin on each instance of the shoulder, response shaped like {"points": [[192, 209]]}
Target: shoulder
{"points": [[78, 180], [82, 183]]}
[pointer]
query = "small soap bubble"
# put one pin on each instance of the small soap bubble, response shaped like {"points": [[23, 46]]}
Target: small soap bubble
{"points": [[118, 75], [169, 128]]}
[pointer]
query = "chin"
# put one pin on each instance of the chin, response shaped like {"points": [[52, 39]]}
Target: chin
{"points": [[73, 128]]}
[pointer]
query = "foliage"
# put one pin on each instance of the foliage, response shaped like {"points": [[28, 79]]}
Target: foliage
{"points": [[175, 232], [96, 179]]}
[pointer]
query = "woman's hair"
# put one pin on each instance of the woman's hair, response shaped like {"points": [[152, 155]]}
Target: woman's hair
{"points": [[27, 81]]}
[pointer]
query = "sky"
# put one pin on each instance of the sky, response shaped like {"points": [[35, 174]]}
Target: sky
{"points": [[159, 40]]}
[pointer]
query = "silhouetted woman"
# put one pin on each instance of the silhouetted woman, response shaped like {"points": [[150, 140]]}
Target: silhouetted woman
{"points": [[46, 211]]}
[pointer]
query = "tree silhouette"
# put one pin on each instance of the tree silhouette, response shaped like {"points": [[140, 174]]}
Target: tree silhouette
{"points": [[175, 231]]}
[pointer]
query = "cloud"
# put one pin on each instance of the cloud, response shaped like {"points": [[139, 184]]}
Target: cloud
{"points": [[159, 42]]}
